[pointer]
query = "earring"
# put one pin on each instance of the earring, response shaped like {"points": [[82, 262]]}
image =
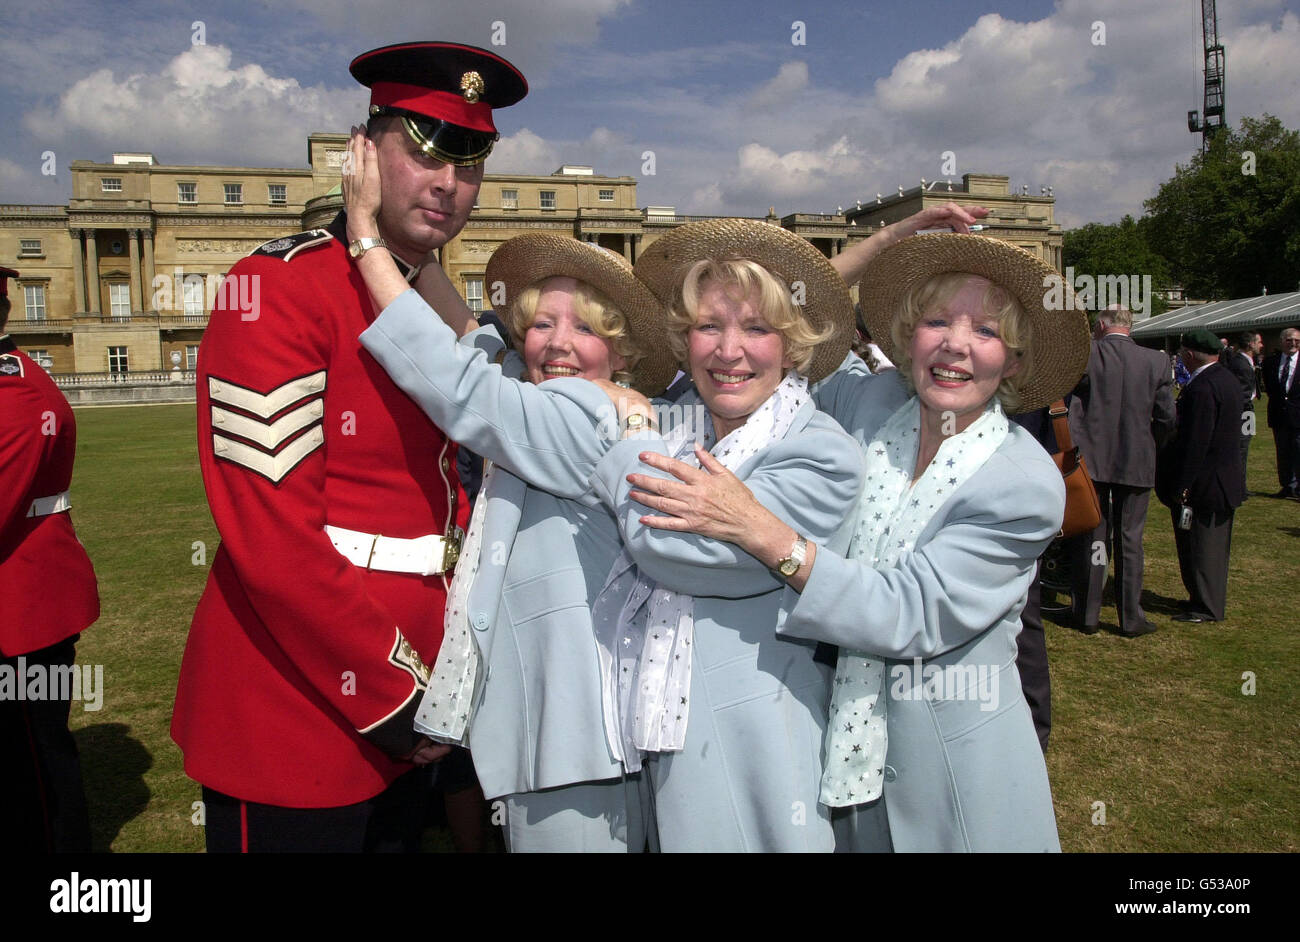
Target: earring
{"points": [[622, 378]]}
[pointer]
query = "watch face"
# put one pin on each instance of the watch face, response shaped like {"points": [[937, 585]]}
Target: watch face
{"points": [[788, 567], [354, 249]]}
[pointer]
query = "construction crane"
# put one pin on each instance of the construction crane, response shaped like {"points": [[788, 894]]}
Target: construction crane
{"points": [[1213, 105]]}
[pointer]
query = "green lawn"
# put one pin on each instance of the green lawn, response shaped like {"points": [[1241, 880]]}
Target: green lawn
{"points": [[1155, 728]]}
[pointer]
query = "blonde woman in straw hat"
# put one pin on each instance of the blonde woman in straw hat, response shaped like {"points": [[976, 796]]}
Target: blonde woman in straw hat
{"points": [[957, 506], [517, 678], [726, 716]]}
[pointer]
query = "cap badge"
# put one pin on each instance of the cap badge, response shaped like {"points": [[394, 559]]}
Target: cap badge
{"points": [[471, 86]]}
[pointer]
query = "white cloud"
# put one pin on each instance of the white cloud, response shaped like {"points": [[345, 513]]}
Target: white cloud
{"points": [[523, 152], [199, 109], [781, 88]]}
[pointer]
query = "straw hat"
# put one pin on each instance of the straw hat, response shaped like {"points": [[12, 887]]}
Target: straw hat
{"points": [[527, 259], [664, 263], [1061, 341]]}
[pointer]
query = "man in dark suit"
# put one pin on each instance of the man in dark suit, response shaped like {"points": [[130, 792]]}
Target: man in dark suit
{"points": [[1122, 412], [1201, 479], [1240, 361], [1284, 411]]}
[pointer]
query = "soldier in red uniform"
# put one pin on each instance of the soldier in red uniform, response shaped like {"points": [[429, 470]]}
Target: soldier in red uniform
{"points": [[49, 595], [337, 500]]}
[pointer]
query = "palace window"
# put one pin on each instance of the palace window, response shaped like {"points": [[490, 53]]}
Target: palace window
{"points": [[234, 194], [187, 193], [30, 248], [34, 299], [606, 196], [110, 184], [119, 301], [191, 356], [117, 362], [42, 357], [548, 199], [474, 294], [192, 286], [509, 199], [277, 194]]}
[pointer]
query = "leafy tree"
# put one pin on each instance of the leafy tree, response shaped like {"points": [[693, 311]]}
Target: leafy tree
{"points": [[1099, 250], [1229, 222]]}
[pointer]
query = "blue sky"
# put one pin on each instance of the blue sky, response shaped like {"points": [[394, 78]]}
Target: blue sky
{"points": [[738, 116]]}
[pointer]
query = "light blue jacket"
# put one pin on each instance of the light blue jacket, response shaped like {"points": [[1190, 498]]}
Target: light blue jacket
{"points": [[547, 547], [964, 772], [748, 777]]}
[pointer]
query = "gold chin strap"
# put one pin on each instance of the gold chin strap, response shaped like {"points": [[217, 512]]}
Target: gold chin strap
{"points": [[430, 150]]}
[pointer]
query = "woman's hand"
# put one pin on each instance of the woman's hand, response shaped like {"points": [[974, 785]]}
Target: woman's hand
{"points": [[852, 262], [361, 187], [708, 500], [958, 218]]}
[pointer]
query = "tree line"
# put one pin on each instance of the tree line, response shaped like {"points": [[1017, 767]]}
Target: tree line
{"points": [[1226, 225]]}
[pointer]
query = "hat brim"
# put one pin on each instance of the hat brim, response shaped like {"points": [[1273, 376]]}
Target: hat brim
{"points": [[525, 260], [1060, 341], [664, 263]]}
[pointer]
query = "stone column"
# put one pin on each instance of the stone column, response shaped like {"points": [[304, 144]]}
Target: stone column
{"points": [[149, 273], [627, 246], [92, 273], [78, 272], [133, 239]]}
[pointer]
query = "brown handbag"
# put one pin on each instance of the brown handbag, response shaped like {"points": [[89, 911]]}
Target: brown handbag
{"points": [[1082, 508]]}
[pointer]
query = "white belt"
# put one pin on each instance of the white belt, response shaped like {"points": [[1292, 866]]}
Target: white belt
{"points": [[424, 555], [44, 506]]}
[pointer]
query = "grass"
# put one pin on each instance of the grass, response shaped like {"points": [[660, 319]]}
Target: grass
{"points": [[1155, 728]]}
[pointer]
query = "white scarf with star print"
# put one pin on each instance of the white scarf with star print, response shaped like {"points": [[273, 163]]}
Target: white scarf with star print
{"points": [[647, 698], [892, 514], [448, 703]]}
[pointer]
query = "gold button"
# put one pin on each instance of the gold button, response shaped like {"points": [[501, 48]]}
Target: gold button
{"points": [[446, 465]]}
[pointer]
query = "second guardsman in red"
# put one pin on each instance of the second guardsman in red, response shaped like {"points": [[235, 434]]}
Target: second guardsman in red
{"points": [[336, 498]]}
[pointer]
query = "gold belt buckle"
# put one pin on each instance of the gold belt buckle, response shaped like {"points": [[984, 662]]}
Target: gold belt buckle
{"points": [[451, 548]]}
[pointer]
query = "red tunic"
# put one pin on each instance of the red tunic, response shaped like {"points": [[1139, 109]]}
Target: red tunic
{"points": [[294, 689], [46, 580]]}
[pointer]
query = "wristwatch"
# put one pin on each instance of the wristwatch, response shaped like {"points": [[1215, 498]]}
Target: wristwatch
{"points": [[360, 247], [791, 564], [636, 422]]}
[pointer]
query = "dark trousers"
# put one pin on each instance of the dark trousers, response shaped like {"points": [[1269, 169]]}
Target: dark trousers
{"points": [[1031, 660], [1286, 440], [1245, 447], [42, 799], [1203, 560], [1117, 538], [391, 822]]}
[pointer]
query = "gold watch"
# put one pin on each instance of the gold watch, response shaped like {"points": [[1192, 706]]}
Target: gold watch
{"points": [[636, 422], [791, 564], [359, 247]]}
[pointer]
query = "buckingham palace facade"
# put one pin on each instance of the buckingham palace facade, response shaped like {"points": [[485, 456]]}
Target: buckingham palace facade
{"points": [[118, 282]]}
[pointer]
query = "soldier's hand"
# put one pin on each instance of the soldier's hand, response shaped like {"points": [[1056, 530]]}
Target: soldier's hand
{"points": [[427, 752], [361, 186]]}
